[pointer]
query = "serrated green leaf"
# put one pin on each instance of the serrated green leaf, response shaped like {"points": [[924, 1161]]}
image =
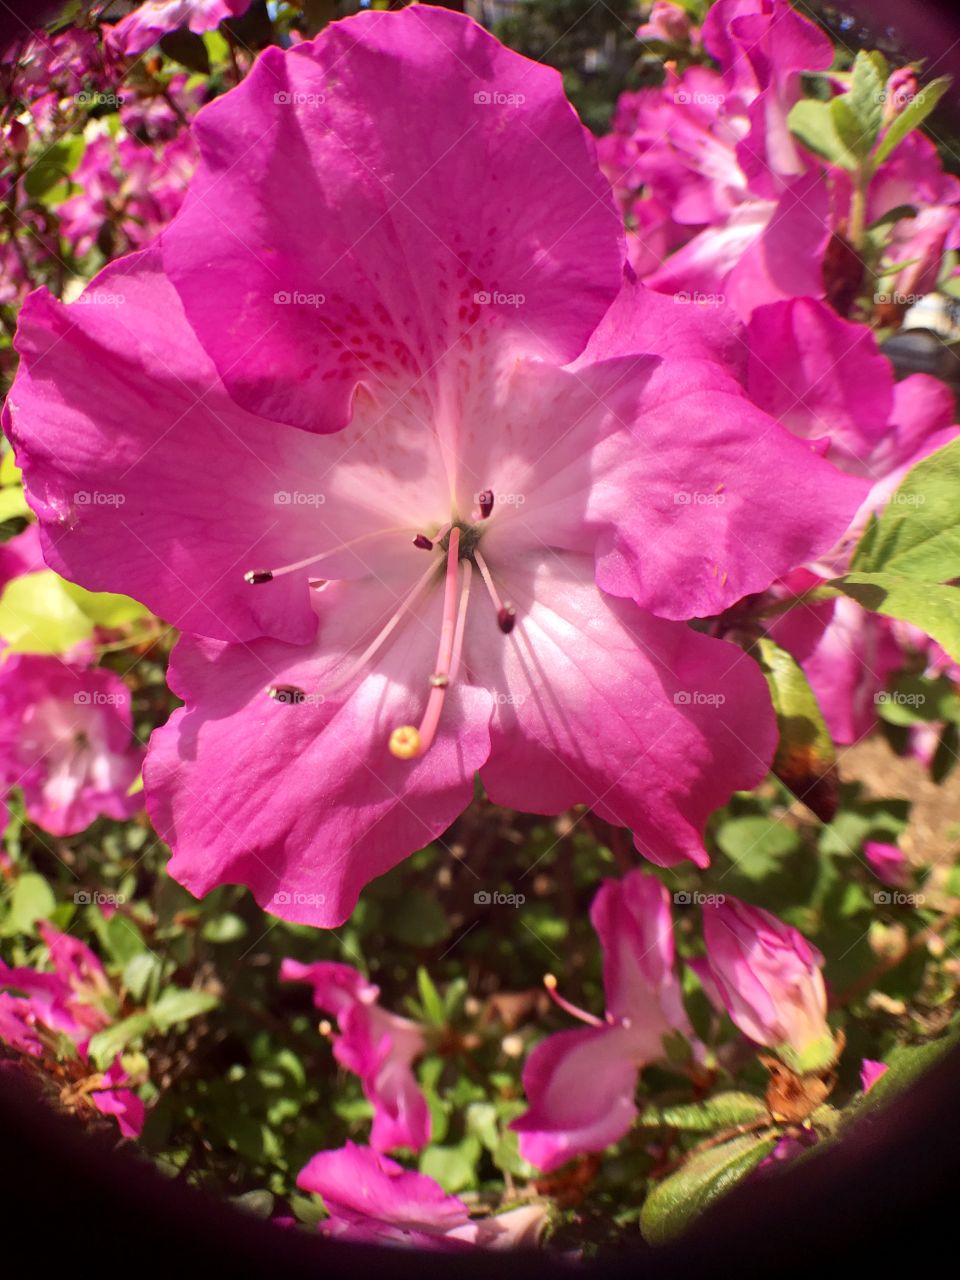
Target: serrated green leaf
{"points": [[703, 1179], [177, 1005], [913, 115]]}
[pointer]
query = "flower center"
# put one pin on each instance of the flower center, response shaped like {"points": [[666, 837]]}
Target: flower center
{"points": [[460, 544]]}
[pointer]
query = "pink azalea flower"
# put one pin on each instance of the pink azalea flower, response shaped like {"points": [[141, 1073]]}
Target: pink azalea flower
{"points": [[143, 27], [474, 515], [123, 1104], [769, 979], [372, 1199], [870, 1073], [76, 1000], [71, 999], [378, 1046], [668, 23], [66, 741], [838, 391], [581, 1084], [713, 151], [887, 863]]}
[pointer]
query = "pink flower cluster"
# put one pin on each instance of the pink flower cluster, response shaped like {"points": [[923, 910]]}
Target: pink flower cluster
{"points": [[721, 200], [71, 1001]]}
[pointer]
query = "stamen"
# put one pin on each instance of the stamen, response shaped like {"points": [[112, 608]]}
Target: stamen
{"points": [[506, 612], [377, 642], [423, 542], [406, 742], [550, 982], [257, 576], [485, 503]]}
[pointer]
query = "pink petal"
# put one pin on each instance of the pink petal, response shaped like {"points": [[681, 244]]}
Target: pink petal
{"points": [[342, 810], [649, 723], [695, 496], [580, 1085], [485, 184]]}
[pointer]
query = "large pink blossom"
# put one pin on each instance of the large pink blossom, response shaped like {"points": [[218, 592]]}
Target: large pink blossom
{"points": [[581, 1084], [407, 399], [372, 1199], [66, 741], [378, 1046]]}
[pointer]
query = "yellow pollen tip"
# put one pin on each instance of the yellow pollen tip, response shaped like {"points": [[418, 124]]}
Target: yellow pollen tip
{"points": [[550, 982], [405, 742]]}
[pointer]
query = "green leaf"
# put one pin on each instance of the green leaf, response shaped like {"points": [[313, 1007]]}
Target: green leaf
{"points": [[722, 1111], [905, 1063], [141, 972], [913, 115], [104, 607], [918, 531], [756, 843], [430, 998], [704, 1178], [106, 1044], [177, 1005], [32, 900], [453, 1167], [849, 129], [37, 615], [814, 124], [57, 163], [867, 91], [13, 505], [805, 761], [224, 928], [933, 608]]}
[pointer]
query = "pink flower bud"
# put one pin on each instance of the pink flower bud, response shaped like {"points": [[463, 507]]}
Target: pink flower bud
{"points": [[769, 979], [887, 863], [668, 23], [901, 90]]}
